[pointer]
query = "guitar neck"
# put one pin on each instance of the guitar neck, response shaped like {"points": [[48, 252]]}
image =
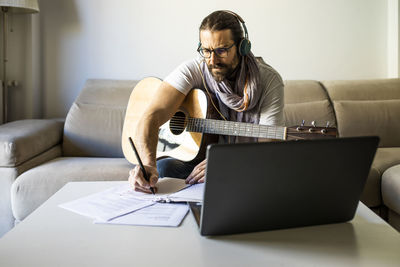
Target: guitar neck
{"points": [[235, 128]]}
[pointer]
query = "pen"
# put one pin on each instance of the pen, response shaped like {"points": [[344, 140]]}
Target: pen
{"points": [[140, 163]]}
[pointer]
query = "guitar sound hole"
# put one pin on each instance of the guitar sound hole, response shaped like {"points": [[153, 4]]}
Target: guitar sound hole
{"points": [[177, 123]]}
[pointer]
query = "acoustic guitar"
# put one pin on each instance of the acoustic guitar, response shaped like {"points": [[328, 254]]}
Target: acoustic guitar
{"points": [[186, 135]]}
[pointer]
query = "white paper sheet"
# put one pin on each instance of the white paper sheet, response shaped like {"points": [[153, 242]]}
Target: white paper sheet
{"points": [[192, 193], [107, 204], [155, 215], [123, 205]]}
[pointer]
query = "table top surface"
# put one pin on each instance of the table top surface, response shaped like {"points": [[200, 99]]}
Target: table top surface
{"points": [[52, 236]]}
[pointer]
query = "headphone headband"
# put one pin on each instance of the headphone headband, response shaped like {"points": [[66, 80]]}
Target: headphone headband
{"points": [[241, 21], [244, 45]]}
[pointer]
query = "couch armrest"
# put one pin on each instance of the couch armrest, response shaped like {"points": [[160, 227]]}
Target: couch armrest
{"points": [[24, 139]]}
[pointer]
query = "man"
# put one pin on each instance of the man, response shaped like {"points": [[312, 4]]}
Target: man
{"points": [[247, 90]]}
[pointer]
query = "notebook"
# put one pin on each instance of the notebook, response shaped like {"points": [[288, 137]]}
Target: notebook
{"points": [[265, 186]]}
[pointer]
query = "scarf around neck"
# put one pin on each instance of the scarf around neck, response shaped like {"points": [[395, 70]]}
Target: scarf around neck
{"points": [[241, 102]]}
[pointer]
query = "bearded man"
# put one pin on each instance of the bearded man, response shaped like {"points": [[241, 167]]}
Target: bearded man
{"points": [[246, 88]]}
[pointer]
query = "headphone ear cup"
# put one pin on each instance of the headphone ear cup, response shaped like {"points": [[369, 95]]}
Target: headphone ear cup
{"points": [[244, 47]]}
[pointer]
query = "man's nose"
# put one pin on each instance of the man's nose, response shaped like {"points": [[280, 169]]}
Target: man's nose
{"points": [[213, 58]]}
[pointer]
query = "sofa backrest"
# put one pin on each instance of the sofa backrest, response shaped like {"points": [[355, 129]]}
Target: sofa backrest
{"points": [[93, 126], [367, 107], [307, 100]]}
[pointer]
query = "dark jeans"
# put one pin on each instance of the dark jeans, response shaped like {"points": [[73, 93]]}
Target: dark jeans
{"points": [[171, 167]]}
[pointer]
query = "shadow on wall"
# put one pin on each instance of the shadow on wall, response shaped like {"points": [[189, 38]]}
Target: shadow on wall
{"points": [[58, 20]]}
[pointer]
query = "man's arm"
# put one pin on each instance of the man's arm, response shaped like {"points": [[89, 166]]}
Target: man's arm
{"points": [[164, 104]]}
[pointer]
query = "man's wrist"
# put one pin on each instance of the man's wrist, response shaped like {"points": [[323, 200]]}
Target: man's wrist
{"points": [[150, 161]]}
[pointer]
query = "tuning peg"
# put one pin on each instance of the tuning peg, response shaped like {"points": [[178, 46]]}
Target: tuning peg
{"points": [[313, 126], [300, 128], [325, 130]]}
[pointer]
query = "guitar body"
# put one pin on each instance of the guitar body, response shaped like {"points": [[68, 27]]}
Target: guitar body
{"points": [[182, 145]]}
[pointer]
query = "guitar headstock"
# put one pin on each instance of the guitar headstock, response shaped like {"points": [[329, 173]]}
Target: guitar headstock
{"points": [[310, 132]]}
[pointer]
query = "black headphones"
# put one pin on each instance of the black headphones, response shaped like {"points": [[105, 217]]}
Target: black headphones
{"points": [[244, 46]]}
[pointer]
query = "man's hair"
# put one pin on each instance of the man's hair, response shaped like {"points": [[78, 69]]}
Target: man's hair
{"points": [[222, 20]]}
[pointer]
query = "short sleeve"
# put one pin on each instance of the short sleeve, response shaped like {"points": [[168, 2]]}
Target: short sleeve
{"points": [[271, 107], [185, 77]]}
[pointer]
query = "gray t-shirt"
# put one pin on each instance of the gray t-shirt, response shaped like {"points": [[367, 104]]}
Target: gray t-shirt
{"points": [[188, 76]]}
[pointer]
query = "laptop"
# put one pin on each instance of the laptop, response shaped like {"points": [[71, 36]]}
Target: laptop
{"points": [[275, 185]]}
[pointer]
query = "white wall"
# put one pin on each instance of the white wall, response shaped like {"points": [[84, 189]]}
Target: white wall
{"points": [[131, 39], [393, 38]]}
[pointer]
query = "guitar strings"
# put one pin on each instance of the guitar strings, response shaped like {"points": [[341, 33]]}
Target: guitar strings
{"points": [[182, 123]]}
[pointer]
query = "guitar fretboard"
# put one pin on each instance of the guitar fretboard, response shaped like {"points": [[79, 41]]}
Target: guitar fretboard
{"points": [[235, 128]]}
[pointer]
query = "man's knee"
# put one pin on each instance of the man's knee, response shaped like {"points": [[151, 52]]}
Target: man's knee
{"points": [[164, 167], [170, 167]]}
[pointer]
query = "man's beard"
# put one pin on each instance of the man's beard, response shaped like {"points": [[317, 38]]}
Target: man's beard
{"points": [[220, 71]]}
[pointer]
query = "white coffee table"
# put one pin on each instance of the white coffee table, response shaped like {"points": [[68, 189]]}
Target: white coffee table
{"points": [[52, 236]]}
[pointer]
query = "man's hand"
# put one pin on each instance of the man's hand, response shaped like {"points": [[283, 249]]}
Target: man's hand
{"points": [[197, 175], [137, 181]]}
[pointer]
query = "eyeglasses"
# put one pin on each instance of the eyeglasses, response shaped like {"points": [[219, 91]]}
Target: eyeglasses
{"points": [[219, 52]]}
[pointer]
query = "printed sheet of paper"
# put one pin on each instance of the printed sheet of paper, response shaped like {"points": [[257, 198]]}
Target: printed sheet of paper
{"points": [[193, 193], [122, 205], [160, 214], [107, 204]]}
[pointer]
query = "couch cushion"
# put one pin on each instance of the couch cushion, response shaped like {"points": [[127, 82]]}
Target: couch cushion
{"points": [[384, 158], [308, 101], [379, 89], [319, 111], [360, 118], [367, 107], [303, 91], [7, 178], [24, 139], [93, 127], [35, 186], [93, 130], [391, 188]]}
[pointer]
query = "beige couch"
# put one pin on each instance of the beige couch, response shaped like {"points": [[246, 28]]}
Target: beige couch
{"points": [[357, 108], [38, 157]]}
